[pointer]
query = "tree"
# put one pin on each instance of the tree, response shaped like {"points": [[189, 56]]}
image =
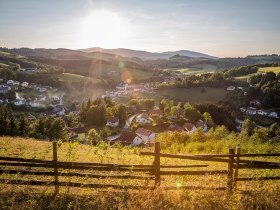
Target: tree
{"points": [[248, 127], [121, 113], [57, 130], [12, 127], [261, 135], [208, 119], [71, 120], [105, 132], [82, 115], [22, 127], [93, 137], [47, 125], [192, 113]]}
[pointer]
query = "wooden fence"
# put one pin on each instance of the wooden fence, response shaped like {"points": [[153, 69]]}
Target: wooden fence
{"points": [[155, 171]]}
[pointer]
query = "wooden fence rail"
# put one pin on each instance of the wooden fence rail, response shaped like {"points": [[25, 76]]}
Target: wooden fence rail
{"points": [[147, 172]]}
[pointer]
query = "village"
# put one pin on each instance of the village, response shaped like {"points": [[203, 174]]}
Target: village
{"points": [[254, 110], [32, 97], [138, 129]]}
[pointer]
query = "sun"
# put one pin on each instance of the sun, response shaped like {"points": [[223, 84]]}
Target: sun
{"points": [[105, 29]]}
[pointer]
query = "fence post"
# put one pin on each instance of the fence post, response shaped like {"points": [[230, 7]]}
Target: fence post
{"points": [[55, 169], [238, 151], [157, 164], [230, 170]]}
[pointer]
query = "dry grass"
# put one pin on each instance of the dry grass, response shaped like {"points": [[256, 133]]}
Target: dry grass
{"points": [[250, 195]]}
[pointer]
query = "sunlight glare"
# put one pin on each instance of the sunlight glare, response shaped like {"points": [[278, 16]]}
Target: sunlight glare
{"points": [[104, 28]]}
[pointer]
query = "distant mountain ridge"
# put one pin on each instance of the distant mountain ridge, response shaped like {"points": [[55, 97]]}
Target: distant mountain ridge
{"points": [[145, 55]]}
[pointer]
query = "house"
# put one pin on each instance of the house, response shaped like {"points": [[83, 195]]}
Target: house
{"points": [[4, 89], [112, 122], [273, 114], [262, 112], [255, 103], [189, 127], [24, 84], [251, 111], [77, 133], [16, 83], [60, 112], [239, 124], [19, 102], [130, 138], [10, 82], [155, 113], [173, 128], [145, 135], [230, 88], [243, 109], [143, 119], [201, 124], [36, 104]]}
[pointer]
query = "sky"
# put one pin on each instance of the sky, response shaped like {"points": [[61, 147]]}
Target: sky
{"points": [[223, 28]]}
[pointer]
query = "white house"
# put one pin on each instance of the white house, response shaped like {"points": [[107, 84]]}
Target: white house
{"points": [[112, 122], [189, 127], [230, 88], [19, 102], [143, 119], [24, 84], [130, 138], [60, 112], [262, 112], [251, 111], [36, 104], [145, 135], [255, 103], [4, 89], [243, 109], [10, 82], [17, 83], [273, 114]]}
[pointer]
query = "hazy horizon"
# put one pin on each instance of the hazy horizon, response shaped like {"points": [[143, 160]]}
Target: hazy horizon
{"points": [[218, 28]]}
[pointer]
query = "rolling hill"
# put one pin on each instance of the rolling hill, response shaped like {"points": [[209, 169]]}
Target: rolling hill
{"points": [[148, 55]]}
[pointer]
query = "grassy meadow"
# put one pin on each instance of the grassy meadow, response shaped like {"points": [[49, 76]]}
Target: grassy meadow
{"points": [[249, 195], [263, 70], [198, 69]]}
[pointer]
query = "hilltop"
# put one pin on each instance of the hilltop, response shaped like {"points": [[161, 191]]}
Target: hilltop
{"points": [[148, 55]]}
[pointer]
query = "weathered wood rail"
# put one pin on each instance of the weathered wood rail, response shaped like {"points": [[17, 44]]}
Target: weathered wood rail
{"points": [[134, 171]]}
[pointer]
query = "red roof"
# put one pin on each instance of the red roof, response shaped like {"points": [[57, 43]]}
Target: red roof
{"points": [[112, 119], [174, 128], [189, 126], [144, 132], [127, 137], [155, 112]]}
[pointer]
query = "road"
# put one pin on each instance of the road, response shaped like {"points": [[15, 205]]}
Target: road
{"points": [[126, 127]]}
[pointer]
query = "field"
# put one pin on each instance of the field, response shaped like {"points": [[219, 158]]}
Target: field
{"points": [[68, 77], [192, 95], [276, 70], [198, 69], [254, 195]]}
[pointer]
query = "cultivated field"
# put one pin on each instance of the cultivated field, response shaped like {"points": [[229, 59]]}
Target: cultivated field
{"points": [[250, 195]]}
